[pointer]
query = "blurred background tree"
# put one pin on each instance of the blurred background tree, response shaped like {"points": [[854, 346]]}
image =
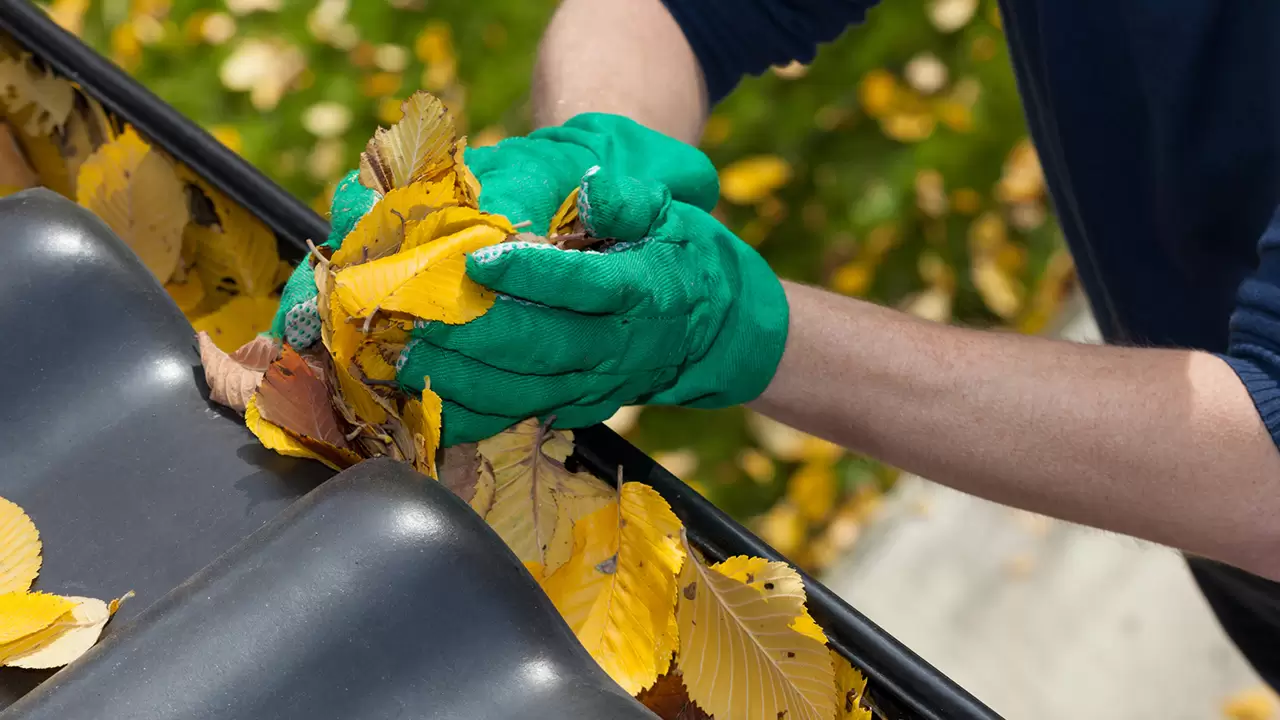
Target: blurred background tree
{"points": [[896, 167]]}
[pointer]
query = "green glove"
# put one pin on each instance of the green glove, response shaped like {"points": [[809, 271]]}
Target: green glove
{"points": [[525, 179], [679, 312]]}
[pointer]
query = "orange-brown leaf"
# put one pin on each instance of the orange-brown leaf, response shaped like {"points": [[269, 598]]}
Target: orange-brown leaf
{"points": [[669, 700], [294, 396]]}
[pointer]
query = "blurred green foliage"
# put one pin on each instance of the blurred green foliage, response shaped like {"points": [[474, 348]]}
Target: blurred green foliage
{"points": [[895, 167]]}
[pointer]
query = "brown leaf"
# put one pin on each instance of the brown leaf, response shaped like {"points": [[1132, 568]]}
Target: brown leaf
{"points": [[669, 700], [258, 353], [460, 469], [295, 396], [231, 383]]}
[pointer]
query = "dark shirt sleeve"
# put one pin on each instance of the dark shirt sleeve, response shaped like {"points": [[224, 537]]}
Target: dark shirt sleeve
{"points": [[1253, 349], [733, 38]]}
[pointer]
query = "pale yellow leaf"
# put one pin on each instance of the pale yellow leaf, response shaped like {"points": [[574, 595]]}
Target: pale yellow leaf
{"points": [[486, 485], [238, 321], [756, 571], [617, 589], [238, 254], [23, 613], [531, 485], [15, 172], [428, 282], [136, 192], [86, 129], [19, 549], [382, 230], [751, 179], [812, 489], [422, 419], [739, 654], [419, 146], [48, 97], [850, 686], [66, 641]]}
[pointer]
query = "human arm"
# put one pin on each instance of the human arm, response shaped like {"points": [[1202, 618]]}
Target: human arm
{"points": [[663, 62], [1166, 445]]}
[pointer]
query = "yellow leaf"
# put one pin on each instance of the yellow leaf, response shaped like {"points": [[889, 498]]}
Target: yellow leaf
{"points": [[739, 654], [807, 626], [850, 686], [752, 179], [535, 569], [136, 191], [23, 613], [668, 642], [422, 419], [274, 437], [755, 572], [382, 230], [562, 221], [358, 396], [64, 641], [24, 86], [15, 172], [19, 549], [536, 499], [1000, 291], [237, 255], [373, 363], [486, 485], [418, 147], [188, 294], [86, 129], [453, 220], [617, 589], [812, 489], [428, 282], [238, 321]]}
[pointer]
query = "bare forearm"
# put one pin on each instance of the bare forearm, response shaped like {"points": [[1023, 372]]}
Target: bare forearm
{"points": [[1160, 444], [626, 57]]}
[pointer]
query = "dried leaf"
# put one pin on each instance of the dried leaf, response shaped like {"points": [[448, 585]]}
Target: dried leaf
{"points": [[258, 353], [752, 617], [428, 282], [136, 191], [239, 321], [536, 499], [23, 86], [274, 437], [23, 613], [19, 549], [419, 146], [617, 591], [850, 686], [422, 419], [669, 700], [562, 222], [358, 396], [460, 470], [65, 641], [383, 229], [230, 383], [294, 396], [15, 172], [237, 255], [751, 179]]}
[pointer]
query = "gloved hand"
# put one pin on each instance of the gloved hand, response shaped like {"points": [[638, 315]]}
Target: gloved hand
{"points": [[525, 179], [679, 312]]}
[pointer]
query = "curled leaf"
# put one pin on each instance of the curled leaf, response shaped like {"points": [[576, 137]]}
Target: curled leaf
{"points": [[294, 396], [238, 321], [422, 420], [67, 640], [850, 688], [273, 437], [23, 86], [382, 231], [231, 383]]}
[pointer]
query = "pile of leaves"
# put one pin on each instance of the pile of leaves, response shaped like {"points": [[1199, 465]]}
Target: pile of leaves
{"points": [[218, 262], [895, 167], [615, 561], [40, 631]]}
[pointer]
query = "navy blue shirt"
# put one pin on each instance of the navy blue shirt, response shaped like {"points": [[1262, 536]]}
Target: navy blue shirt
{"points": [[1158, 126]]}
